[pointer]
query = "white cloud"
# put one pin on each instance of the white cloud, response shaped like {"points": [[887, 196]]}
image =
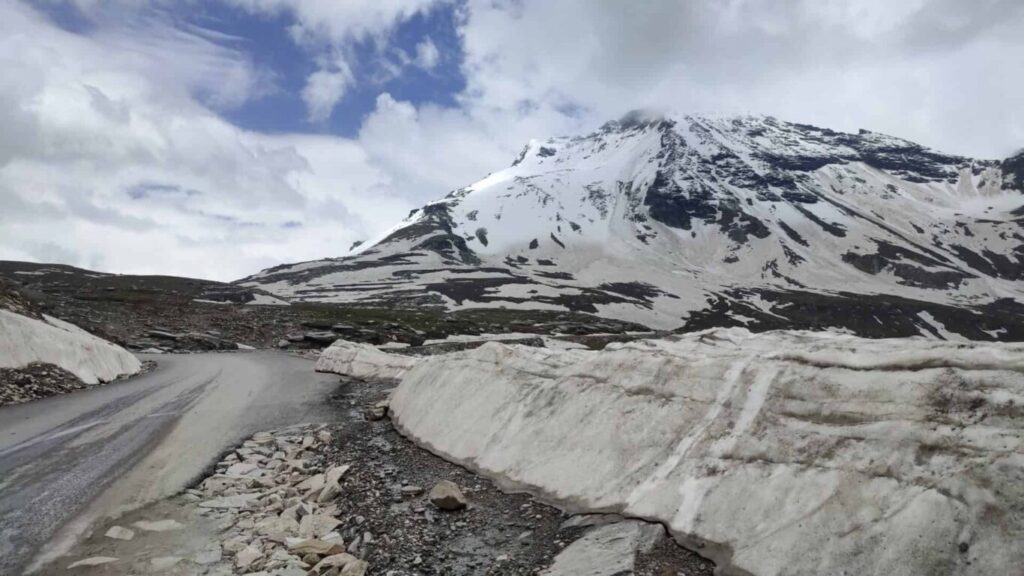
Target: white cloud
{"points": [[113, 154], [337, 22], [935, 71], [427, 54], [324, 89], [111, 161]]}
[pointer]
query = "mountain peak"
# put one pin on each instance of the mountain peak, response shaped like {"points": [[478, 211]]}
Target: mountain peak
{"points": [[699, 220]]}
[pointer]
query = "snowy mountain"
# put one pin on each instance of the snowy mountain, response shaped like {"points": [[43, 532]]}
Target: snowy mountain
{"points": [[691, 222]]}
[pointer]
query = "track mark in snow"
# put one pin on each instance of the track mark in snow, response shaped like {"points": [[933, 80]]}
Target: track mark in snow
{"points": [[756, 395], [731, 380]]}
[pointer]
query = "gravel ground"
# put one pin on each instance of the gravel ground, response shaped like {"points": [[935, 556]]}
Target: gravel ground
{"points": [[498, 534]]}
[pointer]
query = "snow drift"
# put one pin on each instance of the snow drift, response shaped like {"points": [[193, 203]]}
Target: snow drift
{"points": [[25, 340], [777, 453], [362, 361]]}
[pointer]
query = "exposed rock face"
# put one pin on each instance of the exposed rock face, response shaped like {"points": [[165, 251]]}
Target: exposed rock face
{"points": [[780, 453], [662, 221]]}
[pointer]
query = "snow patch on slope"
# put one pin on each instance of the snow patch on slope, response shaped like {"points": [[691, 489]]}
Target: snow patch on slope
{"points": [[25, 340]]}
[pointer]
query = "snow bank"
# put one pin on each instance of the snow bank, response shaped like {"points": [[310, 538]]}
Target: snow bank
{"points": [[24, 340], [363, 361], [779, 453]]}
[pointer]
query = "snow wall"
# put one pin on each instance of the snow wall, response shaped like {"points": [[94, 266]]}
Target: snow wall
{"points": [[24, 340], [782, 453]]}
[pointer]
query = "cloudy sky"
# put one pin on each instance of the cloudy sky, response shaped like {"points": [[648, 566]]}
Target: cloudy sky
{"points": [[213, 138]]}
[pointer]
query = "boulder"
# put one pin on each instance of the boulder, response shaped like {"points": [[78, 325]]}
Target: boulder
{"points": [[447, 496], [230, 502]]}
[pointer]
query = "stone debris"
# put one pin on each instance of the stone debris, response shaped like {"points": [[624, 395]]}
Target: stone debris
{"points": [[447, 496], [274, 499], [120, 533], [377, 411], [94, 561]]}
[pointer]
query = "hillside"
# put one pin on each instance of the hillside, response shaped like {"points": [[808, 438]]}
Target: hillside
{"points": [[690, 222]]}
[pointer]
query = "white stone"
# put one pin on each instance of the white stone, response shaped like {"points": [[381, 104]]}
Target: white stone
{"points": [[230, 502], [313, 483], [247, 556], [317, 525], [243, 469], [278, 525], [336, 473]]}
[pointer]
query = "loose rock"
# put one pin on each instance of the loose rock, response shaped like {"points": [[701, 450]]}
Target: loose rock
{"points": [[447, 496]]}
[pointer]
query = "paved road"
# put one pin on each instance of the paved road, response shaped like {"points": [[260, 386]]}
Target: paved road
{"points": [[67, 460]]}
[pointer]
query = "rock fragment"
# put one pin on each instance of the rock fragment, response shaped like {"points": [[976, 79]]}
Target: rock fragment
{"points": [[315, 546], [447, 496], [377, 411], [247, 556]]}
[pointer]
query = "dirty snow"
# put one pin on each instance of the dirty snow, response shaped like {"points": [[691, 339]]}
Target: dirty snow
{"points": [[777, 453], [362, 361], [25, 340]]}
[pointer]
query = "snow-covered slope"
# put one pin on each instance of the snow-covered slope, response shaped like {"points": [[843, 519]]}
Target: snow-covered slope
{"points": [[791, 453], [25, 340], [697, 222]]}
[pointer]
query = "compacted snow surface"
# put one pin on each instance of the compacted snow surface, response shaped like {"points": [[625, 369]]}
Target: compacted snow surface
{"points": [[777, 453], [25, 340]]}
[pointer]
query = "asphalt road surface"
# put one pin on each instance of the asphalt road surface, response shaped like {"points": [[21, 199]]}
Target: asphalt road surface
{"points": [[68, 460]]}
